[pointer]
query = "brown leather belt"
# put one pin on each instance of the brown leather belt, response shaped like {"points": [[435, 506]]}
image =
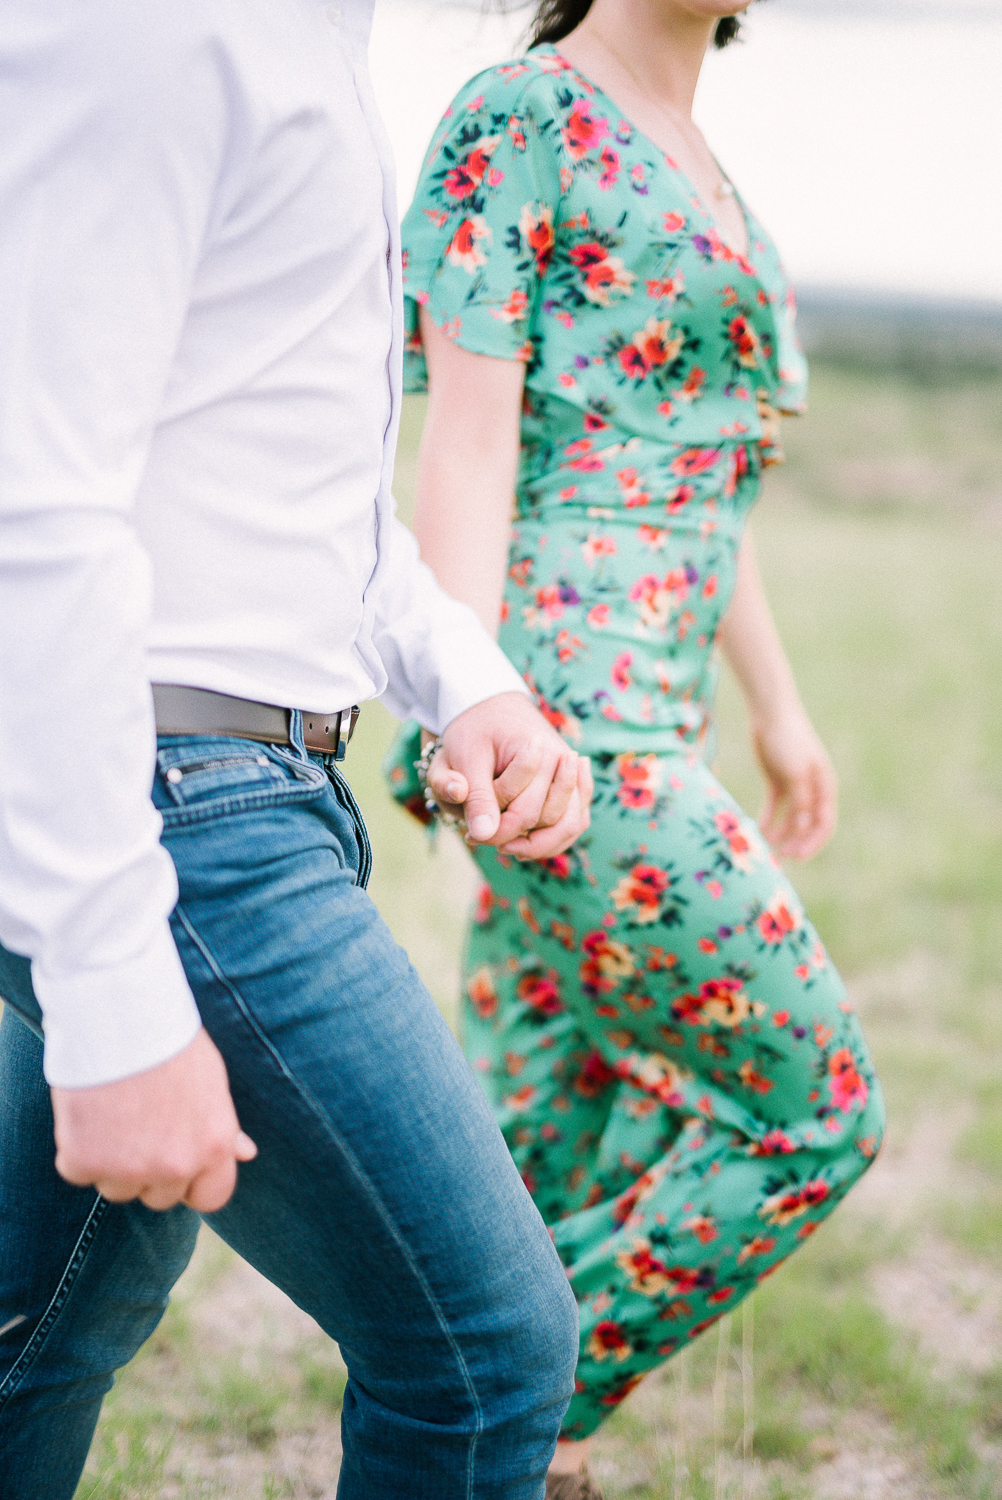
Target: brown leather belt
{"points": [[189, 710]]}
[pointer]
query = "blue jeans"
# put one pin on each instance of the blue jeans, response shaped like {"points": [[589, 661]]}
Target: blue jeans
{"points": [[383, 1199]]}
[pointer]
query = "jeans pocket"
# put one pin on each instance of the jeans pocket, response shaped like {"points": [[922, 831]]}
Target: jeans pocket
{"points": [[200, 777]]}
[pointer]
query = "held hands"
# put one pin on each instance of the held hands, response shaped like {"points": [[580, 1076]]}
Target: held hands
{"points": [[519, 786], [799, 814], [166, 1136]]}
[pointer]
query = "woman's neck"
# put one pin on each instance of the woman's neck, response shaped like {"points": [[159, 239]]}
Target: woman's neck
{"points": [[659, 44]]}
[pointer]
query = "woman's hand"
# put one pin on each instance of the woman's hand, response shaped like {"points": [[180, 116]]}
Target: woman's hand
{"points": [[800, 810]]}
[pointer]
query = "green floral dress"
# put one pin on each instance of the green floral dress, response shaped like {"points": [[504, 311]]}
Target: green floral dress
{"points": [[668, 1050]]}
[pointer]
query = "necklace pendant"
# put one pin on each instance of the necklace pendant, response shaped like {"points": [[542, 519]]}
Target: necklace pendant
{"points": [[725, 190]]}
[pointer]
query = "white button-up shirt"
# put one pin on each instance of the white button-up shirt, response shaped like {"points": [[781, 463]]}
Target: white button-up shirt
{"points": [[200, 326]]}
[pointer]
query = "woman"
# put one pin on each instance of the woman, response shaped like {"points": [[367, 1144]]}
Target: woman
{"points": [[607, 337]]}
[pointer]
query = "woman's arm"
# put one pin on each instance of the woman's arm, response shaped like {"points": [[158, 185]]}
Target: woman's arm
{"points": [[467, 469], [799, 814]]}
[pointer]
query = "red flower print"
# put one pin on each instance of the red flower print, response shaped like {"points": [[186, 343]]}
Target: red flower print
{"points": [[673, 222], [607, 1338], [462, 180], [558, 865], [536, 228], [584, 131], [606, 962], [650, 348], [483, 995], [782, 1207], [595, 1075], [603, 273], [464, 248], [648, 1274], [598, 616], [753, 1079], [693, 387], [762, 1244], [616, 1396], [773, 1143], [720, 1002], [541, 992], [702, 1226], [777, 921], [745, 340], [846, 1085], [610, 174], [640, 777], [514, 309], [641, 890], [485, 905]]}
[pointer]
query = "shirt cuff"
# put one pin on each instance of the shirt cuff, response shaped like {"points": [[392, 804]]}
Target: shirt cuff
{"points": [[467, 683], [104, 1024]]}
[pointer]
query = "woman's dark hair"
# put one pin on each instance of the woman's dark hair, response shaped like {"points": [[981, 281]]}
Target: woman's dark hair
{"points": [[556, 19]]}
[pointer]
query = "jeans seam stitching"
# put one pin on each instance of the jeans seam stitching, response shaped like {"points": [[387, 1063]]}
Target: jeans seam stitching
{"points": [[349, 1155], [74, 1266]]}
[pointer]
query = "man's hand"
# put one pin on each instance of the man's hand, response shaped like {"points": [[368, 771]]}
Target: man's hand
{"points": [[167, 1136], [519, 785]]}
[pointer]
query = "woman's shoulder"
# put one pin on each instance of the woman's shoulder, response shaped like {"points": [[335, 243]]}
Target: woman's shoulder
{"points": [[540, 80]]}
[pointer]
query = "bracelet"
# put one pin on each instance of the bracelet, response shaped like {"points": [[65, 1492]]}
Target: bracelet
{"points": [[422, 766]]}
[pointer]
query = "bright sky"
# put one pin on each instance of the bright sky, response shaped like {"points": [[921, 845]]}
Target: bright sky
{"points": [[866, 134]]}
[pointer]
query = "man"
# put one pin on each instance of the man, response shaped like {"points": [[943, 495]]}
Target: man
{"points": [[200, 316]]}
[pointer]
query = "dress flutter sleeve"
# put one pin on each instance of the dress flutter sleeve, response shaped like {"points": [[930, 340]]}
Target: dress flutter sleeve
{"points": [[479, 235]]}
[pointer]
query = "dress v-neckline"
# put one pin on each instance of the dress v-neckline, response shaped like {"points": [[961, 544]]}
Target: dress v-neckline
{"points": [[689, 186]]}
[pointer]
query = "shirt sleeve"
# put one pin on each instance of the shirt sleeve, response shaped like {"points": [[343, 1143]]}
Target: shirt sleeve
{"points": [[114, 133], [437, 655], [479, 235]]}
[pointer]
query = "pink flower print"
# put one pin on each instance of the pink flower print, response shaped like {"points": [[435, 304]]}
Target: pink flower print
{"points": [[584, 131], [695, 461], [567, 645], [594, 423], [633, 491], [620, 673], [580, 455], [656, 596], [847, 1086], [653, 537], [516, 134], [673, 222], [680, 499], [598, 616], [596, 547]]}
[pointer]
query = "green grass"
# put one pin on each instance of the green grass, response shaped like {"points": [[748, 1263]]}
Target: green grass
{"points": [[881, 545]]}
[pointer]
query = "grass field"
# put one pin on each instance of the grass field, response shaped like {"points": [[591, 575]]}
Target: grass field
{"points": [[871, 1365]]}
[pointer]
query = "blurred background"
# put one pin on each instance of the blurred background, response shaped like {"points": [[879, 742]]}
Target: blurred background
{"points": [[867, 134]]}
